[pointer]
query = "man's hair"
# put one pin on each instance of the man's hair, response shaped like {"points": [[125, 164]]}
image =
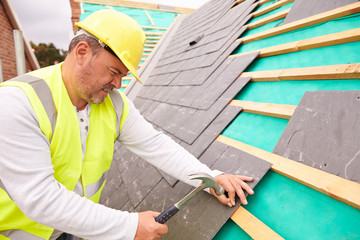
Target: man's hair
{"points": [[94, 44]]}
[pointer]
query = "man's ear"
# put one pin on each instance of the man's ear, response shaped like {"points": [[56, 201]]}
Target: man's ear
{"points": [[82, 52]]}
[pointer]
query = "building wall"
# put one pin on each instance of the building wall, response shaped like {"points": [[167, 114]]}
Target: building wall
{"points": [[75, 13], [7, 47]]}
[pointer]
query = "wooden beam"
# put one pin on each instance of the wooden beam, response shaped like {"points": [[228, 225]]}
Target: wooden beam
{"points": [[138, 5], [271, 7], [154, 33], [352, 35], [127, 78], [336, 187], [261, 2], [149, 17], [268, 19], [343, 71], [305, 22], [255, 228], [154, 42], [149, 46], [156, 28], [266, 109], [153, 38], [239, 1]]}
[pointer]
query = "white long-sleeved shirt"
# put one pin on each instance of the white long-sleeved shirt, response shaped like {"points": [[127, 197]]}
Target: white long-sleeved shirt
{"points": [[26, 171]]}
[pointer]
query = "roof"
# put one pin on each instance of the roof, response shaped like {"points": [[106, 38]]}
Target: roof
{"points": [[249, 86]]}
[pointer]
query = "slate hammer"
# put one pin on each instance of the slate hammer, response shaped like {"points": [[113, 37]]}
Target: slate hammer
{"points": [[207, 182]]}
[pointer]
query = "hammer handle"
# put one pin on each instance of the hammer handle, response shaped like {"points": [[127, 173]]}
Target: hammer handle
{"points": [[167, 214]]}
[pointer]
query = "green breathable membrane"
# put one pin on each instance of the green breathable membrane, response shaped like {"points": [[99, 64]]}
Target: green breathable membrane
{"points": [[262, 28], [309, 58], [295, 211], [161, 18], [263, 132], [291, 92], [332, 26], [231, 231], [256, 130]]}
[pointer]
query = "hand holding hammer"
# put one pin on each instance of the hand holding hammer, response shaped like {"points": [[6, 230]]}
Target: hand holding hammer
{"points": [[207, 182]]}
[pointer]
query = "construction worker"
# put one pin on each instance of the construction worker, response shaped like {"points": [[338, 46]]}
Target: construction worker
{"points": [[58, 126]]}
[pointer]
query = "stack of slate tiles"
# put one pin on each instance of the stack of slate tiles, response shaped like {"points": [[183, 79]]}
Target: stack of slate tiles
{"points": [[187, 97]]}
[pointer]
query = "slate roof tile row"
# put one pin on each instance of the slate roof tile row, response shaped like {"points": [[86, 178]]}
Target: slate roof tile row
{"points": [[187, 97]]}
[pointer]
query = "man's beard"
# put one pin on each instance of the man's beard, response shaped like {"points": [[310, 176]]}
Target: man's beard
{"points": [[86, 92], [94, 99]]}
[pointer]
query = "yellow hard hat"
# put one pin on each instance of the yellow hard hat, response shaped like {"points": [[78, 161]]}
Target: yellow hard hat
{"points": [[120, 32]]}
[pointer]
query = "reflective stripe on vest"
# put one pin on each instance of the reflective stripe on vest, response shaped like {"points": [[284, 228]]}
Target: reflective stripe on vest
{"points": [[58, 121], [44, 93], [19, 235], [93, 188]]}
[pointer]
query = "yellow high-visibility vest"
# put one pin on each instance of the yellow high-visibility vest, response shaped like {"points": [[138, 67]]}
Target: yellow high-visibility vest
{"points": [[59, 123]]}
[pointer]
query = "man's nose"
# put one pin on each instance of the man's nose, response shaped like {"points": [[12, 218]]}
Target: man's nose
{"points": [[117, 81]]}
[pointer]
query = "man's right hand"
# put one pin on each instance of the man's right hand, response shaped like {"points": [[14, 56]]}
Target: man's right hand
{"points": [[148, 228]]}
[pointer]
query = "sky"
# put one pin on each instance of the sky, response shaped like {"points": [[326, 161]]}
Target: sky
{"points": [[49, 21]]}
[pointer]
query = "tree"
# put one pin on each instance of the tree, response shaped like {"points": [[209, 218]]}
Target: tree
{"points": [[48, 54]]}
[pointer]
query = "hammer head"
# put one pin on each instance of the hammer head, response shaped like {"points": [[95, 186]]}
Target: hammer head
{"points": [[207, 181]]}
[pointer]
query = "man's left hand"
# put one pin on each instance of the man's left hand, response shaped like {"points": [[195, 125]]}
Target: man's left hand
{"points": [[233, 185]]}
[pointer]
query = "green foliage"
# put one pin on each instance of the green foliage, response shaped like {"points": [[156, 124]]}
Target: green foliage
{"points": [[48, 54]]}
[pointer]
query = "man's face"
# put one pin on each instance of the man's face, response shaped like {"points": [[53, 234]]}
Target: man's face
{"points": [[99, 76]]}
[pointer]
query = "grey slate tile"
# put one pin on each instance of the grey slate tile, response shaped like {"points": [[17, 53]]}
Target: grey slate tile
{"points": [[324, 133], [116, 198], [212, 90], [162, 113], [238, 162], [169, 179], [175, 122], [163, 196], [210, 133], [306, 8], [212, 154], [197, 122], [138, 183], [203, 215]]}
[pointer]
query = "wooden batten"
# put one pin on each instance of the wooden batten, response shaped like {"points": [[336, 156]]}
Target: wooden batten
{"points": [[134, 4], [153, 38], [149, 17], [348, 36], [266, 109], [271, 7], [336, 187], [269, 19], [319, 18], [154, 33], [154, 28], [261, 2], [255, 228], [149, 46], [343, 71]]}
